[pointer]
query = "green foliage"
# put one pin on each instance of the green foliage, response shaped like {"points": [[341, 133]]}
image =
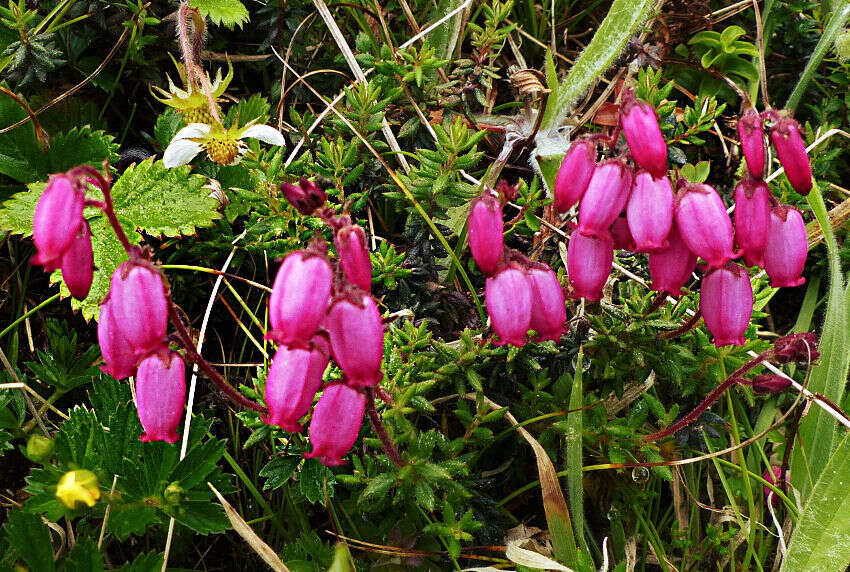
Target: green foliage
{"points": [[61, 367], [726, 54], [227, 13]]}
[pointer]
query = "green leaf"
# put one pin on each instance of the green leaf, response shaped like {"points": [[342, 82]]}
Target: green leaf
{"points": [[255, 107], [85, 557], [132, 520], [150, 562], [80, 146], [227, 13], [820, 539], [278, 471], [28, 535], [168, 124], [162, 201], [378, 489], [312, 481], [204, 517], [575, 458]]}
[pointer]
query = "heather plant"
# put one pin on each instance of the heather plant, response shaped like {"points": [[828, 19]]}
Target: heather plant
{"points": [[581, 272]]}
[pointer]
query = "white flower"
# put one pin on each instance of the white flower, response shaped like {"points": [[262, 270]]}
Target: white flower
{"points": [[224, 146]]}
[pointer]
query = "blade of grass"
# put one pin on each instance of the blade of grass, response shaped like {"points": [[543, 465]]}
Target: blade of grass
{"points": [[574, 452]]}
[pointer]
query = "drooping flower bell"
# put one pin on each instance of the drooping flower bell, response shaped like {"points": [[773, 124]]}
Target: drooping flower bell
{"points": [[791, 150], [294, 377], [774, 476], [78, 264], [357, 338], [606, 196], [751, 134], [643, 134], [622, 235], [350, 242], [726, 302], [306, 196], [57, 221], [770, 383], [137, 304], [671, 267], [160, 395], [509, 302], [119, 355], [548, 307], [574, 174], [704, 224], [589, 261], [801, 347], [336, 422], [300, 296], [787, 247], [752, 218], [650, 211], [485, 232]]}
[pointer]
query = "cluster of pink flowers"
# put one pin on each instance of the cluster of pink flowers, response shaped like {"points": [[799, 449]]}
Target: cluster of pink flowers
{"points": [[317, 312], [62, 235], [520, 294], [675, 228]]}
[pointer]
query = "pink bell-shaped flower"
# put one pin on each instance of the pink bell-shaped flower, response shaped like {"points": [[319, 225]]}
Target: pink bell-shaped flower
{"points": [[773, 475], [671, 267], [589, 260], [770, 383], [574, 174], [306, 196], [161, 395], [752, 218], [791, 150], [509, 301], [704, 224], [78, 264], [751, 134], [300, 296], [646, 143], [120, 357], [605, 198], [357, 338], [787, 247], [295, 376], [548, 306], [485, 232], [650, 211], [622, 235], [336, 422], [726, 302], [350, 243], [57, 220], [137, 303]]}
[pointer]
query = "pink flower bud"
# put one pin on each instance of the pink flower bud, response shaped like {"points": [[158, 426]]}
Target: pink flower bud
{"points": [[57, 220], [650, 211], [589, 260], [160, 395], [306, 197], [605, 198], [509, 302], [704, 224], [646, 143], [791, 150], [357, 338], [294, 378], [350, 242], [300, 297], [671, 267], [78, 264], [622, 235], [548, 307], [336, 423], [574, 174], [119, 356], [137, 303], [774, 476], [726, 302], [751, 134], [787, 247], [770, 383], [801, 348], [485, 232], [752, 218]]}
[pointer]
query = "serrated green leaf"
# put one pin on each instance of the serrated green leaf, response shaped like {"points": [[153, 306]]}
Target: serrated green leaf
{"points": [[278, 471], [204, 517], [28, 535], [150, 562], [132, 520], [168, 124], [227, 13], [255, 107], [377, 489], [85, 557], [198, 463], [312, 481]]}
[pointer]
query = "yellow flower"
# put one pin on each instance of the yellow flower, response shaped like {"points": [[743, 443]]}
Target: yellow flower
{"points": [[78, 487], [191, 103], [224, 146]]}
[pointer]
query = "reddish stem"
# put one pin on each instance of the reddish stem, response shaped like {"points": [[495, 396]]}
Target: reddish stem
{"points": [[378, 427]]}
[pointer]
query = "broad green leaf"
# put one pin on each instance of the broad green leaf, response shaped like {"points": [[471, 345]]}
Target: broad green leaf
{"points": [[204, 517], [150, 562], [622, 22], [85, 557], [227, 13], [278, 471], [255, 107], [829, 376], [445, 36], [820, 540], [28, 535]]}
